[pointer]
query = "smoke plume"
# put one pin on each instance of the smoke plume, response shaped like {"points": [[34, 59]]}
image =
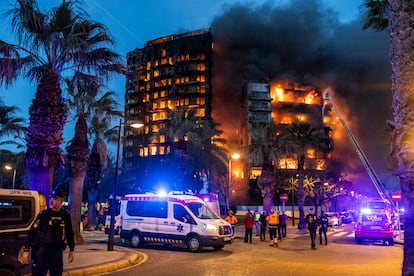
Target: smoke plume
{"points": [[303, 42]]}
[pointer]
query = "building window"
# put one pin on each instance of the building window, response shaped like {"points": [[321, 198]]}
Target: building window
{"points": [[153, 150]]}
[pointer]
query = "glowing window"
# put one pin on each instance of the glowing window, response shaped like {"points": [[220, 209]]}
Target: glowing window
{"points": [[201, 112], [153, 150], [161, 150], [163, 52], [201, 67], [311, 153], [162, 138]]}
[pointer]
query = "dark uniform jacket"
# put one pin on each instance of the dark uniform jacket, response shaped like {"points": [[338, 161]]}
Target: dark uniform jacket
{"points": [[311, 220], [51, 229]]}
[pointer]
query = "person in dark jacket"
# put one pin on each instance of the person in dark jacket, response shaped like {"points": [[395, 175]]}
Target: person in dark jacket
{"points": [[323, 227], [282, 225], [312, 221], [263, 223], [47, 238]]}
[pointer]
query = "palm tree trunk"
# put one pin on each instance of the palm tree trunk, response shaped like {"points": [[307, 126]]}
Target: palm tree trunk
{"points": [[44, 135], [78, 153], [401, 55], [268, 202], [92, 196], [76, 191], [301, 192]]}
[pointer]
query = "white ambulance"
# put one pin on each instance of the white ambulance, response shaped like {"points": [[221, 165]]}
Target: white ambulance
{"points": [[172, 219]]}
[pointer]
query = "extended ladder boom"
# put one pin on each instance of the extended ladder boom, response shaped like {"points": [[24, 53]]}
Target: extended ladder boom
{"points": [[379, 186]]}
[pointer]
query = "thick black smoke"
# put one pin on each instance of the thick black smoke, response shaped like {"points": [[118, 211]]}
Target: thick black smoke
{"points": [[305, 43]]}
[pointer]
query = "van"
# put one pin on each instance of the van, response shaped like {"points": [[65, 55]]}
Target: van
{"points": [[18, 210], [172, 219]]}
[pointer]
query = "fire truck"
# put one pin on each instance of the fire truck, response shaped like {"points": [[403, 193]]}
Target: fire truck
{"points": [[377, 220]]}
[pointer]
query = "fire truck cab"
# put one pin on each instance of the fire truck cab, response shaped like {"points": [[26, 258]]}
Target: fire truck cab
{"points": [[172, 219]]}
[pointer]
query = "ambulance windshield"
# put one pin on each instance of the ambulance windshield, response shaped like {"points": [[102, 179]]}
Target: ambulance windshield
{"points": [[202, 211]]}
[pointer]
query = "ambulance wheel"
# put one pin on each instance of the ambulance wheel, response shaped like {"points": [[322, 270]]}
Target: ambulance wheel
{"points": [[194, 244], [136, 239]]}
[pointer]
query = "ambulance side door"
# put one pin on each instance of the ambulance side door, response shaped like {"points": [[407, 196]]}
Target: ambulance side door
{"points": [[182, 222]]}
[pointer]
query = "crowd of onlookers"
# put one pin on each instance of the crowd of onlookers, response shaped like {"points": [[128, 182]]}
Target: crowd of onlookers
{"points": [[274, 223]]}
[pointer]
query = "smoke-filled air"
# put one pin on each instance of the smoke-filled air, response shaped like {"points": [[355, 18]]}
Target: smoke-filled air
{"points": [[304, 43]]}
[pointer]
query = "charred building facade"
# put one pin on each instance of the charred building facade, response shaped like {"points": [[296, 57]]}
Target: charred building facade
{"points": [[271, 109], [166, 74]]}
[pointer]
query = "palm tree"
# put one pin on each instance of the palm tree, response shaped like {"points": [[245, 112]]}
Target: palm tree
{"points": [[295, 140], [100, 131], [198, 148], [10, 125], [50, 43], [83, 92], [262, 152], [398, 16]]}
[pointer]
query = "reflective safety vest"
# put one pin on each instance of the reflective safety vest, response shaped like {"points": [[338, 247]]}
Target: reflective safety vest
{"points": [[273, 220]]}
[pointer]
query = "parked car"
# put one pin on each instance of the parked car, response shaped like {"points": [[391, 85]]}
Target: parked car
{"points": [[346, 217], [333, 219]]}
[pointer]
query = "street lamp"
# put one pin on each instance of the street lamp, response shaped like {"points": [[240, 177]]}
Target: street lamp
{"points": [[9, 168], [234, 156], [115, 185]]}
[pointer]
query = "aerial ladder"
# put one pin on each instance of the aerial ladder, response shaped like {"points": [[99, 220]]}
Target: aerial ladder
{"points": [[379, 186]]}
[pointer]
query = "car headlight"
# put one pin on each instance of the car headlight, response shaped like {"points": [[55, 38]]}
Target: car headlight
{"points": [[210, 227]]}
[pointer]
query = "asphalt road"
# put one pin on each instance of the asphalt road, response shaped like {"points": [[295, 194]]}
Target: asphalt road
{"points": [[342, 256]]}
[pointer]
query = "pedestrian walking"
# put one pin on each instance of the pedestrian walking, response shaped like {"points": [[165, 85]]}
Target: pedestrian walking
{"points": [[47, 237], [323, 227], [311, 221], [257, 221], [273, 222], [263, 223], [232, 220], [282, 224], [248, 227]]}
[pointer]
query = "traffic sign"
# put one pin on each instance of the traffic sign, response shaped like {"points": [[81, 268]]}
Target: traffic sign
{"points": [[283, 197], [396, 196]]}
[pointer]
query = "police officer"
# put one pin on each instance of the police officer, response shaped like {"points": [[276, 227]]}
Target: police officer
{"points": [[323, 227], [47, 238], [311, 221]]}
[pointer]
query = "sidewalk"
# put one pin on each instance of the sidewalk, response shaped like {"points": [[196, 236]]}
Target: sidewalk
{"points": [[92, 257]]}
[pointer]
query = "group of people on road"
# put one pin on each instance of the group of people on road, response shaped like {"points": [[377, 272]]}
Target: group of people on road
{"points": [[313, 223], [276, 223]]}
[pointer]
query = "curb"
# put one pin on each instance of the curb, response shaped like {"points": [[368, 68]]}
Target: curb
{"points": [[132, 260]]}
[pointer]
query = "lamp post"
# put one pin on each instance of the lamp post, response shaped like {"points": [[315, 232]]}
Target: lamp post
{"points": [[115, 185], [234, 156], [7, 167]]}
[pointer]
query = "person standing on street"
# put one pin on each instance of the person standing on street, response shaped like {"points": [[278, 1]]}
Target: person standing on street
{"points": [[232, 220], [311, 221], [273, 222], [47, 238], [323, 227], [283, 224], [248, 226], [257, 222], [263, 223]]}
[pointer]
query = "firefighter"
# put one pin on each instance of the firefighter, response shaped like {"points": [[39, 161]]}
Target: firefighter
{"points": [[47, 238]]}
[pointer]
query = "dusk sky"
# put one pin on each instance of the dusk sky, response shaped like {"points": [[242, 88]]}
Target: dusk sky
{"points": [[134, 22]]}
